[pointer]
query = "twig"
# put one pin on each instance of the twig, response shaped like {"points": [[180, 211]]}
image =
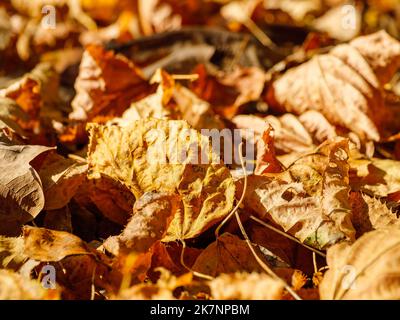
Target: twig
{"points": [[267, 225]]}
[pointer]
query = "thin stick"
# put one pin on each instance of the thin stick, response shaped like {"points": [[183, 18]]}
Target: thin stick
{"points": [[195, 273], [266, 268], [314, 260], [190, 77], [229, 216], [265, 224], [259, 34], [93, 288]]}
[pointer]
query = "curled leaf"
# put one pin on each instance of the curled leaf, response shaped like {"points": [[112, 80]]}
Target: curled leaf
{"points": [[345, 85], [164, 156], [367, 269]]}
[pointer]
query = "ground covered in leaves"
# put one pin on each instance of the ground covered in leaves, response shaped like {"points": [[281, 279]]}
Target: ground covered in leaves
{"points": [[110, 187]]}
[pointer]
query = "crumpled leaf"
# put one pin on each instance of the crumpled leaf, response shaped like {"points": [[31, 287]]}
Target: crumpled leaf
{"points": [[246, 286], [156, 105], [61, 179], [369, 213], [97, 91], [315, 206], [14, 286], [171, 101], [266, 161], [380, 177], [365, 270], [198, 113], [36, 91], [138, 158], [227, 92], [150, 219], [345, 85], [21, 193]]}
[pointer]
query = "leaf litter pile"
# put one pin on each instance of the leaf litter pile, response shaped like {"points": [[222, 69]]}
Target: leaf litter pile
{"points": [[94, 96]]}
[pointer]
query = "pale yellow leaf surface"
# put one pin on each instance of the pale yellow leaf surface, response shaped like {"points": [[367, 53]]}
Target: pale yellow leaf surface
{"points": [[366, 270], [14, 286], [162, 156], [246, 286], [50, 245]]}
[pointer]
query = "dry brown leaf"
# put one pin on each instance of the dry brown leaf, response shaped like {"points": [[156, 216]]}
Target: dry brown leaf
{"points": [[106, 85], [368, 269], [12, 252], [198, 113], [21, 193], [37, 90], [380, 177], [266, 161], [246, 286], [49, 245], [61, 179], [13, 286], [370, 213], [316, 209], [138, 158], [228, 254], [10, 115], [150, 220], [345, 85]]}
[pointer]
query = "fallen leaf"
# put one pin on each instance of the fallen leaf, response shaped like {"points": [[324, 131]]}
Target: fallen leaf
{"points": [[266, 161], [246, 286], [137, 157], [21, 193], [366, 270], [98, 94], [50, 245], [319, 220], [352, 79], [228, 254], [61, 179], [370, 213], [150, 220]]}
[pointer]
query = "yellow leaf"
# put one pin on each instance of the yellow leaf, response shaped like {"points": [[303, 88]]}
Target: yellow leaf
{"points": [[165, 156]]}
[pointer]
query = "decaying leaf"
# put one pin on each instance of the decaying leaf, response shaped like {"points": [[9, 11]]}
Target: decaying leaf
{"points": [[368, 269], [98, 92], [11, 252], [380, 177], [150, 220], [60, 178], [266, 161], [345, 85], [21, 193], [246, 286], [370, 213], [161, 155], [49, 245], [319, 220]]}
